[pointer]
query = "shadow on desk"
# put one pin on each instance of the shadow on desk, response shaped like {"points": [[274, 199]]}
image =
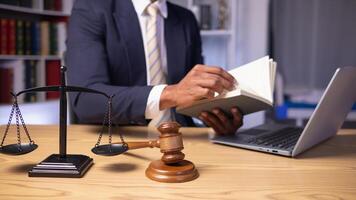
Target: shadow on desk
{"points": [[22, 168], [342, 146], [120, 167]]}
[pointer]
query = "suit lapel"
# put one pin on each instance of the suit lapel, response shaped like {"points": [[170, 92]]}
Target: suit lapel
{"points": [[175, 45], [130, 34]]}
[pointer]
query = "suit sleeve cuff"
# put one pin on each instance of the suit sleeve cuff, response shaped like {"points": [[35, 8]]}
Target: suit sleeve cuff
{"points": [[152, 107]]}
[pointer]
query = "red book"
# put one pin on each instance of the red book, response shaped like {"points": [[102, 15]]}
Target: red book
{"points": [[6, 84], [3, 36], [11, 37], [58, 5], [53, 77]]}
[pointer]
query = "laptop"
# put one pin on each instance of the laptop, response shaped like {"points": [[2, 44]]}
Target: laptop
{"points": [[324, 123]]}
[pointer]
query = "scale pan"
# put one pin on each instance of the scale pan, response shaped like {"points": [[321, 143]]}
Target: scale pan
{"points": [[18, 149], [109, 149]]}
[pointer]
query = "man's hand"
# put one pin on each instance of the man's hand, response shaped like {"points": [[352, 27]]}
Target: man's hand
{"points": [[201, 82], [221, 123]]}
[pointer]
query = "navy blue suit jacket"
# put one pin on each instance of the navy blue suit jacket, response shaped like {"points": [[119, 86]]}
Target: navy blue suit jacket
{"points": [[105, 52]]}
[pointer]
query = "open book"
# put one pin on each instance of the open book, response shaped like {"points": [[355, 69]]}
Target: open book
{"points": [[253, 91]]}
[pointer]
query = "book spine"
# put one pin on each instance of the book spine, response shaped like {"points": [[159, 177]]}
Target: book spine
{"points": [[19, 37], [27, 37], [37, 4], [49, 5], [33, 66], [26, 3], [67, 6], [19, 78], [30, 80], [35, 38], [3, 35], [61, 37], [205, 17], [44, 38], [52, 77], [58, 5], [2, 86], [53, 37], [45, 4], [10, 2], [6, 75], [11, 37], [27, 80], [41, 79]]}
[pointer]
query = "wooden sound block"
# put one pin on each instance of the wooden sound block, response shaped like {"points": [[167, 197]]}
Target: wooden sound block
{"points": [[179, 172]]}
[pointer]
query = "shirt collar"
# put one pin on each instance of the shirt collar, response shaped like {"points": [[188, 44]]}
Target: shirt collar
{"points": [[140, 6]]}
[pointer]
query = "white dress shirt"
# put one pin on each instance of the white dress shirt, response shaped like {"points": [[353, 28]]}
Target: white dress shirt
{"points": [[152, 108]]}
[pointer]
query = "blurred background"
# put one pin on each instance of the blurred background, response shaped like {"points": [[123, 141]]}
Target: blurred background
{"points": [[309, 39]]}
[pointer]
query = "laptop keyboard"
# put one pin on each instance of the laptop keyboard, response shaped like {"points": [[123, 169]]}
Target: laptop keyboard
{"points": [[285, 138]]}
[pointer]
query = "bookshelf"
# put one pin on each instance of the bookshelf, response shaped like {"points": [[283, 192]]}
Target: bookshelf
{"points": [[34, 32], [36, 11]]}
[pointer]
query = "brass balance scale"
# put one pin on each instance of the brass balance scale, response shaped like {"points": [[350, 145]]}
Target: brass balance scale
{"points": [[170, 168]]}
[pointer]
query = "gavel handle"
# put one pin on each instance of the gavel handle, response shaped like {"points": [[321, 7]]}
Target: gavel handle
{"points": [[139, 145]]}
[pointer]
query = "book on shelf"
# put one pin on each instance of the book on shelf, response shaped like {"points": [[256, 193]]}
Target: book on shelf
{"points": [[44, 38], [52, 77], [28, 38], [30, 79], [61, 37], [67, 6], [253, 91], [6, 86], [19, 37], [53, 47], [11, 36], [205, 17], [35, 38], [53, 5], [25, 3], [10, 2], [12, 80], [24, 37], [3, 36]]}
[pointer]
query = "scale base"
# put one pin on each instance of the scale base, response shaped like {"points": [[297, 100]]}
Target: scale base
{"points": [[71, 166], [182, 171]]}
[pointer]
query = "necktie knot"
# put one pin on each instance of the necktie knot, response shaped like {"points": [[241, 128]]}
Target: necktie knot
{"points": [[152, 10]]}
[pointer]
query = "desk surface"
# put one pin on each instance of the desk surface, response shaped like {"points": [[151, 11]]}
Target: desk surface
{"points": [[327, 171]]}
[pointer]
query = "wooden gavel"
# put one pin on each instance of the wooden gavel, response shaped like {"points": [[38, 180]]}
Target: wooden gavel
{"points": [[171, 168], [170, 142]]}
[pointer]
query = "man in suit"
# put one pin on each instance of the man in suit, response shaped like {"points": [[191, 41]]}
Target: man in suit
{"points": [[147, 53]]}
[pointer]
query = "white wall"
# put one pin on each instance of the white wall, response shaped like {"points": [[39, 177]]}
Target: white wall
{"points": [[252, 30]]}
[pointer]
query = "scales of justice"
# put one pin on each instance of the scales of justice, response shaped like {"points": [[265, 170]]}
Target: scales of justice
{"points": [[170, 168]]}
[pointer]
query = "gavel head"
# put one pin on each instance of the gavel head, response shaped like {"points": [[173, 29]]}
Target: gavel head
{"points": [[171, 142]]}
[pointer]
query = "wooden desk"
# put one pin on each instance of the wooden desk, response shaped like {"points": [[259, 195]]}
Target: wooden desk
{"points": [[327, 171]]}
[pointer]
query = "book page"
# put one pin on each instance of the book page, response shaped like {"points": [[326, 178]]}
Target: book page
{"points": [[256, 78]]}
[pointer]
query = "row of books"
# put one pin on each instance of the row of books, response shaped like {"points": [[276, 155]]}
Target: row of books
{"points": [[54, 5], [19, 37], [18, 75]]}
